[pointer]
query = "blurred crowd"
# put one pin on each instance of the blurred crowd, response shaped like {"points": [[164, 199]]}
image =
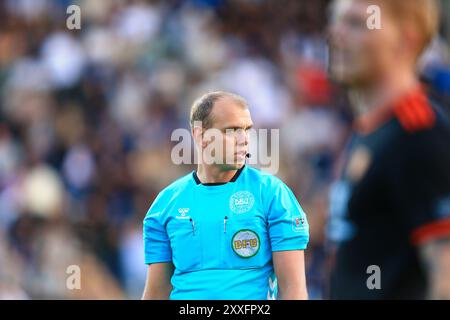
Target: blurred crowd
{"points": [[86, 118]]}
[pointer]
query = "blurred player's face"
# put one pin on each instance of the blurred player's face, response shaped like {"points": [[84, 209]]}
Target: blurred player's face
{"points": [[360, 56], [231, 122]]}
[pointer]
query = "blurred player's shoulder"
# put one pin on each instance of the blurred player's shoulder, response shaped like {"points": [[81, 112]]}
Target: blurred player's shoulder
{"points": [[424, 122], [420, 112], [414, 112]]}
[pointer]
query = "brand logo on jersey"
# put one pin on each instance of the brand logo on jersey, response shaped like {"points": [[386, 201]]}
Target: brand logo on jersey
{"points": [[183, 212], [242, 202], [359, 163], [245, 243]]}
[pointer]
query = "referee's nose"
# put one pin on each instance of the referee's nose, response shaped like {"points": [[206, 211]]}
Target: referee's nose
{"points": [[242, 137]]}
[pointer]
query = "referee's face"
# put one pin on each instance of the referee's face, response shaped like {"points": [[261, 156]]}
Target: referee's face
{"points": [[232, 123]]}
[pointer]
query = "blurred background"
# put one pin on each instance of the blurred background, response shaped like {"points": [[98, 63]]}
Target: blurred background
{"points": [[86, 118]]}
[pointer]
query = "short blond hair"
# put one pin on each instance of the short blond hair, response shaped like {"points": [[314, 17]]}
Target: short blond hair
{"points": [[424, 15]]}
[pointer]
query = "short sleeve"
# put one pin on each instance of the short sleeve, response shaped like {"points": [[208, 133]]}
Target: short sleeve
{"points": [[288, 225], [156, 242]]}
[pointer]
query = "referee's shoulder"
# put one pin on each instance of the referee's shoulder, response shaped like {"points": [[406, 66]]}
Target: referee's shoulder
{"points": [[264, 178]]}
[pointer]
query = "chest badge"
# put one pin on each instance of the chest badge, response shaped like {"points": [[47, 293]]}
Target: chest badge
{"points": [[245, 243], [241, 202], [358, 164]]}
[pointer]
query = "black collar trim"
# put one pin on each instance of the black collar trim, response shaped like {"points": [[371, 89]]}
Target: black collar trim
{"points": [[233, 179]]}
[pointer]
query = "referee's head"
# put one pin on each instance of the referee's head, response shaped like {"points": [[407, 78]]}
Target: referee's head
{"points": [[220, 123]]}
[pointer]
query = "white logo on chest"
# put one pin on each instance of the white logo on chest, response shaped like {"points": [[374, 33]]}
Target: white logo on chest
{"points": [[183, 212], [241, 202]]}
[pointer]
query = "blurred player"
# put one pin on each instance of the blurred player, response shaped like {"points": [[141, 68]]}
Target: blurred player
{"points": [[390, 212], [225, 230]]}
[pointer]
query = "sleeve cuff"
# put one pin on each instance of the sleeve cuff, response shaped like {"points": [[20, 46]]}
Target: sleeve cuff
{"points": [[290, 247], [152, 261]]}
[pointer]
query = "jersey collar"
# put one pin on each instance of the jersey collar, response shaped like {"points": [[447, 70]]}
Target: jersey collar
{"points": [[233, 179]]}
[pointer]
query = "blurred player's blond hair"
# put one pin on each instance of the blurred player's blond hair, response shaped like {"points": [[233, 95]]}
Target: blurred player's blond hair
{"points": [[421, 16]]}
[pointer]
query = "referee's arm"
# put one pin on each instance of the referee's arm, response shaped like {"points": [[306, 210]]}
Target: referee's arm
{"points": [[158, 285], [289, 236], [290, 271]]}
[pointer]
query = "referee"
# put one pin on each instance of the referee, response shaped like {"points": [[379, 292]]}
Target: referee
{"points": [[390, 210], [225, 231]]}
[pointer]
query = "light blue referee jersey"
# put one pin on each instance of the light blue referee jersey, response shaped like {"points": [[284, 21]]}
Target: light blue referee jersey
{"points": [[221, 238]]}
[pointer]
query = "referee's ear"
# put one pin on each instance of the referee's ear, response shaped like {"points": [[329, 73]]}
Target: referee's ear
{"points": [[197, 134]]}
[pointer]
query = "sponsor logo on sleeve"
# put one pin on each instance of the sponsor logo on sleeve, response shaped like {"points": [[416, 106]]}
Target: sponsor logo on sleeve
{"points": [[298, 223]]}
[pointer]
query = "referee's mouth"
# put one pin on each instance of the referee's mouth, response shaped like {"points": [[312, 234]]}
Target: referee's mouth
{"points": [[241, 155]]}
